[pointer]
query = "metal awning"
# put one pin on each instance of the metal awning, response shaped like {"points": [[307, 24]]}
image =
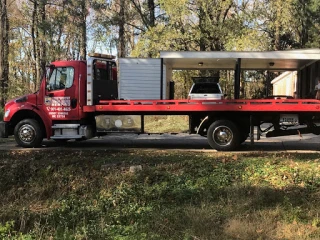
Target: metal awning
{"points": [[289, 60]]}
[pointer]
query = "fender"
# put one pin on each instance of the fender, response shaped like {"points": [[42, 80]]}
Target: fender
{"points": [[25, 106]]}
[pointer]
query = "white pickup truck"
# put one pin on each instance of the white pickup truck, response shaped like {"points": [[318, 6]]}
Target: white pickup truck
{"points": [[206, 91]]}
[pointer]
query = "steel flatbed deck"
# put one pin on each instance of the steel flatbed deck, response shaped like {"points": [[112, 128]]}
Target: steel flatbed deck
{"points": [[196, 106]]}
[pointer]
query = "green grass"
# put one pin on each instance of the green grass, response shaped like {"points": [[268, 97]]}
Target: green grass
{"points": [[189, 195], [166, 124]]}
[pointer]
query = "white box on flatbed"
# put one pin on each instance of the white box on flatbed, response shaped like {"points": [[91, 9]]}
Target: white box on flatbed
{"points": [[140, 78]]}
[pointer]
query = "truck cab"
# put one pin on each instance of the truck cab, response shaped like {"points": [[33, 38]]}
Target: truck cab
{"points": [[56, 110]]}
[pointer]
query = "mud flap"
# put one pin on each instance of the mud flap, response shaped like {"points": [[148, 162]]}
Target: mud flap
{"points": [[4, 133]]}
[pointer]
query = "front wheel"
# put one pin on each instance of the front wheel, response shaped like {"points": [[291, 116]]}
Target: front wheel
{"points": [[28, 134], [223, 135]]}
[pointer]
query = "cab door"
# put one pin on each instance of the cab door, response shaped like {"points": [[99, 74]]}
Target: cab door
{"points": [[61, 95]]}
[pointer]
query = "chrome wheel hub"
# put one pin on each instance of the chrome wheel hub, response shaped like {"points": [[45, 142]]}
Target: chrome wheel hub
{"points": [[27, 133], [222, 135]]}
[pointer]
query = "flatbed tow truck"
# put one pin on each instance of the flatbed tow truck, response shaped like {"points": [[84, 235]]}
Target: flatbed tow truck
{"points": [[69, 106]]}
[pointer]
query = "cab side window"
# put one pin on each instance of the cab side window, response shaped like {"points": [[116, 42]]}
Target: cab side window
{"points": [[103, 70], [61, 78]]}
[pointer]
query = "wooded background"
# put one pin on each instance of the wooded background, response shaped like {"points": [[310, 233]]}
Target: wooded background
{"points": [[35, 32]]}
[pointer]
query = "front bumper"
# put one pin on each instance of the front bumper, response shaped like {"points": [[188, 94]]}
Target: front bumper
{"points": [[4, 129]]}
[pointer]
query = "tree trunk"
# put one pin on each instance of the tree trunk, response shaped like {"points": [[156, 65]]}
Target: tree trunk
{"points": [[122, 43], [305, 25], [39, 39], [34, 39], [4, 52], [83, 30], [42, 48], [277, 27], [202, 43], [151, 8]]}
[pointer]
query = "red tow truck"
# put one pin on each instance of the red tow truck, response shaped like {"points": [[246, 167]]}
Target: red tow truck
{"points": [[79, 100]]}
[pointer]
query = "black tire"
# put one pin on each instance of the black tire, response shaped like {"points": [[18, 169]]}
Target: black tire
{"points": [[223, 135], [28, 133]]}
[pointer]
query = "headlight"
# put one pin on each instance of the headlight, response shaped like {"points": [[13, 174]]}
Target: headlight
{"points": [[7, 113]]}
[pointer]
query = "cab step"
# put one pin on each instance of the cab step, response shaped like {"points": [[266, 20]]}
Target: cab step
{"points": [[71, 131], [65, 126], [67, 137]]}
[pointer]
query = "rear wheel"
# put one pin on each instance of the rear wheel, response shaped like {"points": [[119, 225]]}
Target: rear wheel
{"points": [[223, 135], [28, 134]]}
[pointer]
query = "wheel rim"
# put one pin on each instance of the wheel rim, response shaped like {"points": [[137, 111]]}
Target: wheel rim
{"points": [[27, 133], [222, 135]]}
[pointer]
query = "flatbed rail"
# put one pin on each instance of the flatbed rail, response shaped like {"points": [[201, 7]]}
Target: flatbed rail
{"points": [[259, 105]]}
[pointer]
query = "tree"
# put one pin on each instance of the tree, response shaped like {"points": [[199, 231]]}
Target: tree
{"points": [[113, 14], [38, 34], [46, 30], [78, 12], [307, 22], [4, 51]]}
